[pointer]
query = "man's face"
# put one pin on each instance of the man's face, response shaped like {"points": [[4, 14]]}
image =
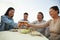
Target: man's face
{"points": [[39, 17], [25, 17]]}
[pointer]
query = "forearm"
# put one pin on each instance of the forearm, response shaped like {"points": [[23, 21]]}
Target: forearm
{"points": [[39, 25], [15, 25]]}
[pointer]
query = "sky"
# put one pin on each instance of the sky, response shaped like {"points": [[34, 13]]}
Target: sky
{"points": [[32, 7]]}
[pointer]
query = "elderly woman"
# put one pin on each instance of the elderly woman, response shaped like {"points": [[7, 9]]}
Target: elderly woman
{"points": [[53, 24]]}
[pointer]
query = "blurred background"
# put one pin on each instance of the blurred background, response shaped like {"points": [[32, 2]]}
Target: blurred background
{"points": [[32, 7]]}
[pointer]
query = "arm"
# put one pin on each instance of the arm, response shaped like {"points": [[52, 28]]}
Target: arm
{"points": [[7, 21], [40, 25]]}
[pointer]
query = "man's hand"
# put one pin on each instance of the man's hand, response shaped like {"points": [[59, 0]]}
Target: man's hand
{"points": [[20, 24]]}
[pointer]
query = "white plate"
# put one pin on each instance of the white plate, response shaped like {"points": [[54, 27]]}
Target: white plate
{"points": [[35, 33]]}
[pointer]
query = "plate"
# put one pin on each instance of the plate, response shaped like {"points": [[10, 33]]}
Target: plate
{"points": [[35, 33], [24, 31], [13, 30]]}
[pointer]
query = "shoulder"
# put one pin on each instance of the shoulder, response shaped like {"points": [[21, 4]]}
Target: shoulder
{"points": [[44, 20], [49, 21], [3, 16], [34, 22], [21, 20], [59, 17]]}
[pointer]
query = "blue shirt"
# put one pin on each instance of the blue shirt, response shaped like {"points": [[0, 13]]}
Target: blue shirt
{"points": [[7, 23]]}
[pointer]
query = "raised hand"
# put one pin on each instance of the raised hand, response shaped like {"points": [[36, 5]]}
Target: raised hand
{"points": [[20, 24]]}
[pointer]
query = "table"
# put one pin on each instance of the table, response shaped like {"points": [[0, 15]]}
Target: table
{"points": [[7, 35]]}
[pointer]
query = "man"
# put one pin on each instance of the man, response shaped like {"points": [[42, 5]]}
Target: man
{"points": [[40, 20], [25, 19]]}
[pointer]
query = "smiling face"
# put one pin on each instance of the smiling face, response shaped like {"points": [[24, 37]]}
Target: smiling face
{"points": [[25, 17], [53, 13], [11, 13], [39, 17]]}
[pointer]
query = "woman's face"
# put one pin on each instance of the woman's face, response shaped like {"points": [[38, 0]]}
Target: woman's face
{"points": [[53, 13], [11, 13]]}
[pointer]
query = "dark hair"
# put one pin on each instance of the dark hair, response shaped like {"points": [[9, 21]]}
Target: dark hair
{"points": [[25, 13], [41, 14], [10, 8], [55, 8]]}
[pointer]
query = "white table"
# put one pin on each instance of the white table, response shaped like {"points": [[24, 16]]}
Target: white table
{"points": [[7, 35]]}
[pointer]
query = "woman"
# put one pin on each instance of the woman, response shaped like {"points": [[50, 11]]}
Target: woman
{"points": [[7, 21], [53, 24]]}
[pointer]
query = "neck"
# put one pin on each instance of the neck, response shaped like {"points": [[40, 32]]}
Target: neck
{"points": [[9, 17], [25, 19], [56, 17], [39, 20]]}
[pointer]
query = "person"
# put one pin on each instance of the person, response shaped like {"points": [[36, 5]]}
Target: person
{"points": [[40, 20], [24, 19], [53, 24], [0, 22], [7, 21]]}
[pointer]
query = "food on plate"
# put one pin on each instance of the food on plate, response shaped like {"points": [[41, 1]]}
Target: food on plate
{"points": [[35, 33], [25, 31]]}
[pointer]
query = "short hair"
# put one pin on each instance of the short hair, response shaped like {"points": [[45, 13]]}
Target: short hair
{"points": [[55, 8], [25, 13], [10, 8], [41, 14]]}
